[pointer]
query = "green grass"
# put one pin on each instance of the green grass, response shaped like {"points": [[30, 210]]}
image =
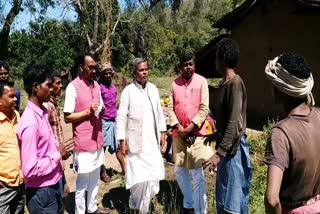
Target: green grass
{"points": [[163, 83], [259, 178], [214, 82]]}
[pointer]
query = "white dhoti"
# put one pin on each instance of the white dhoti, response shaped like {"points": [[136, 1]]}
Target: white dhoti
{"points": [[141, 195], [144, 172]]}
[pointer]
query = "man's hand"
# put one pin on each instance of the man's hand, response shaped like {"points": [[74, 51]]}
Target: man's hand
{"points": [[66, 190], [163, 142], [101, 114], [183, 132], [123, 147], [210, 138], [93, 108], [66, 149], [212, 162]]}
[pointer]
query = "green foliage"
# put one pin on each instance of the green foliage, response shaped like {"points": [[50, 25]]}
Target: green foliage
{"points": [[161, 34], [163, 83], [214, 82], [158, 30], [51, 42]]}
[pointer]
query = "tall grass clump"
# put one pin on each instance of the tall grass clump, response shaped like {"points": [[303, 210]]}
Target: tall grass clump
{"points": [[258, 186]]}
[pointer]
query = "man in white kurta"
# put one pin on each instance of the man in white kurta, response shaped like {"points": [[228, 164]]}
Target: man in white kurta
{"points": [[140, 128]]}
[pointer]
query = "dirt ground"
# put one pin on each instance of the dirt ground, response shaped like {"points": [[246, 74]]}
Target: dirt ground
{"points": [[111, 161], [115, 196]]}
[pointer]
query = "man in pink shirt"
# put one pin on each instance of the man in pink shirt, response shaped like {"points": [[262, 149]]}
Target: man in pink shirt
{"points": [[40, 155]]}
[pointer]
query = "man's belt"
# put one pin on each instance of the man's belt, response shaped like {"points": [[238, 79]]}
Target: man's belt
{"points": [[110, 120]]}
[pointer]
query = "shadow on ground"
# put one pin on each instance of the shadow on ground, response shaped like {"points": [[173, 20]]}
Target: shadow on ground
{"points": [[168, 200], [117, 198], [170, 197]]}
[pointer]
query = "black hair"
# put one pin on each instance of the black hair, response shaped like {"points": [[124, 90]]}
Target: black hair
{"points": [[186, 56], [228, 51], [295, 64], [3, 84], [54, 74], [79, 60], [4, 64], [37, 73]]}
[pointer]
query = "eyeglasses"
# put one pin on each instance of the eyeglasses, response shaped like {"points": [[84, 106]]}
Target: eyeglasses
{"points": [[92, 67], [4, 74]]}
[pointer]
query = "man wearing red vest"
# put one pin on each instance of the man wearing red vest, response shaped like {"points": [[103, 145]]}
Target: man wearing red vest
{"points": [[188, 112], [83, 108]]}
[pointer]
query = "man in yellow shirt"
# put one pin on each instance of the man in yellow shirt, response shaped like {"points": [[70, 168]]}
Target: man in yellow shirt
{"points": [[11, 182]]}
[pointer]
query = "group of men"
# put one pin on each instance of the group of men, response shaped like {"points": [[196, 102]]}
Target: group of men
{"points": [[136, 132], [33, 146]]}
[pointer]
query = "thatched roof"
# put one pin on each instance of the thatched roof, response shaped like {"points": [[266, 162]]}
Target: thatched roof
{"points": [[235, 17], [205, 63]]}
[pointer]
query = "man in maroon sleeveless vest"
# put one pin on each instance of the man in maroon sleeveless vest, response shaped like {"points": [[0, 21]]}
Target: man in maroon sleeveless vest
{"points": [[84, 109]]}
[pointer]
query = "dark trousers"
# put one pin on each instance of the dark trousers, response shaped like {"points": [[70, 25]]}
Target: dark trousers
{"points": [[43, 200], [12, 200]]}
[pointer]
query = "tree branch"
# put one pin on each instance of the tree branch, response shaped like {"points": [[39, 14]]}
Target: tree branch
{"points": [[97, 49], [4, 34], [11, 15], [115, 24], [142, 3], [89, 41]]}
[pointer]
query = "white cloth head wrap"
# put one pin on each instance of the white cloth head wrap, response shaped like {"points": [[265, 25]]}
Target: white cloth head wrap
{"points": [[289, 84]]}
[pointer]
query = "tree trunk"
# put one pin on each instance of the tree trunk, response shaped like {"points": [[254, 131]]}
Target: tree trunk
{"points": [[4, 34], [106, 51], [96, 23], [78, 5]]}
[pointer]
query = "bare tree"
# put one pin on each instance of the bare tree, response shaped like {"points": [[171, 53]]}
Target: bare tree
{"points": [[98, 22]]}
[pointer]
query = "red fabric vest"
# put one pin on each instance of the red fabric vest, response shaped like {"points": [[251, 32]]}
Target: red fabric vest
{"points": [[87, 134], [187, 98]]}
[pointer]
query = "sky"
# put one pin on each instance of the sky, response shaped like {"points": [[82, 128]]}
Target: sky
{"points": [[22, 20]]}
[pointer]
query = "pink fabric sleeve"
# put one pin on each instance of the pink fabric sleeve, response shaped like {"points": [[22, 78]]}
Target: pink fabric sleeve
{"points": [[32, 165]]}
